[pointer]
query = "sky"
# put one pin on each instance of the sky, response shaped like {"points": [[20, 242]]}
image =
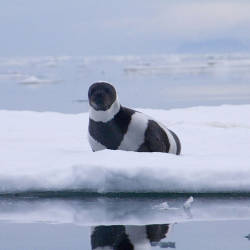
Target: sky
{"points": [[92, 27]]}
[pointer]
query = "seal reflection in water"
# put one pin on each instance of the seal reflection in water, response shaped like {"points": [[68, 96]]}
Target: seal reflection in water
{"points": [[113, 126], [121, 237]]}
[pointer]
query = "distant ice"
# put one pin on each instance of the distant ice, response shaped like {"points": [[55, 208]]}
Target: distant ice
{"points": [[189, 64], [11, 75], [23, 61], [33, 80], [184, 79], [49, 152]]}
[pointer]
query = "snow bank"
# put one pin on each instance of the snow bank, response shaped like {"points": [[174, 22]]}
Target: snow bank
{"points": [[50, 152]]}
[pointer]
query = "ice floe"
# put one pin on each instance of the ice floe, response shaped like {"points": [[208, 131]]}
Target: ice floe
{"points": [[49, 152]]}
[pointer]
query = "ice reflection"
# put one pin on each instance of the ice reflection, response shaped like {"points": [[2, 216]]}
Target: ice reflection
{"points": [[131, 223], [94, 211]]}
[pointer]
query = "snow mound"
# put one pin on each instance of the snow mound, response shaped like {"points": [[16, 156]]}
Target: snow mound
{"points": [[50, 152]]}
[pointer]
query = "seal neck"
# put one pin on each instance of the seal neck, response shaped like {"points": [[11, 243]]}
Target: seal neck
{"points": [[104, 115]]}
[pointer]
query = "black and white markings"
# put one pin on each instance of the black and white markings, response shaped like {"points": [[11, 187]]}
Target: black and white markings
{"points": [[112, 126], [120, 237]]}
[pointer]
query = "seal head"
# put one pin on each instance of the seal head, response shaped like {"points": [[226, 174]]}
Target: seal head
{"points": [[101, 96]]}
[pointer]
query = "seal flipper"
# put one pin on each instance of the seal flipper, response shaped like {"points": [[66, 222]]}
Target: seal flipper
{"points": [[177, 141]]}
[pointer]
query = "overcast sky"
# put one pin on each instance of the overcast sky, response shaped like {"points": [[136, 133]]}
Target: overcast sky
{"points": [[111, 27]]}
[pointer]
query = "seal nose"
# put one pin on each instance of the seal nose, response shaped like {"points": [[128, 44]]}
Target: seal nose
{"points": [[98, 100]]}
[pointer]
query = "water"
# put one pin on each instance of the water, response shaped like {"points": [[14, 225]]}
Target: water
{"points": [[197, 235], [211, 222], [60, 221], [163, 81]]}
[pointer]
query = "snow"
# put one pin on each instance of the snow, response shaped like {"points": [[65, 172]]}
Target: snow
{"points": [[50, 152]]}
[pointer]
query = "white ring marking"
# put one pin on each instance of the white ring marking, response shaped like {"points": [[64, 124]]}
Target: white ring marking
{"points": [[134, 137], [104, 116]]}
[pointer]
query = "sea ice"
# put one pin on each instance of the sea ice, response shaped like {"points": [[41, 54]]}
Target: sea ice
{"points": [[50, 152]]}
